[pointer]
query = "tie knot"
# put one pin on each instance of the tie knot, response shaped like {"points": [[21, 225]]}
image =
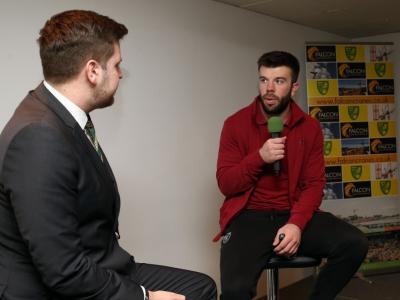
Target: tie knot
{"points": [[89, 123]]}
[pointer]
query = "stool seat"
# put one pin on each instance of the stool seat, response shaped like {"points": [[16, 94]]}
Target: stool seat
{"points": [[293, 262]]}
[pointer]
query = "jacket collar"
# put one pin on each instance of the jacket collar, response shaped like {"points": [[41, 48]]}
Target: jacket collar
{"points": [[296, 113], [47, 98]]}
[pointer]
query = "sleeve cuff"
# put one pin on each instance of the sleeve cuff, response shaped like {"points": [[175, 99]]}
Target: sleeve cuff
{"points": [[144, 292], [299, 221]]}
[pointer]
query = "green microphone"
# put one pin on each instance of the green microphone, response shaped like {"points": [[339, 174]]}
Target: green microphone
{"points": [[275, 127]]}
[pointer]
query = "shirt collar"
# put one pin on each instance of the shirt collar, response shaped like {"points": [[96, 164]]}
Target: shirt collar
{"points": [[78, 114]]}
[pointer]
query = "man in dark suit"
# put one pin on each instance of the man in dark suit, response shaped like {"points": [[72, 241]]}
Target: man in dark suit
{"points": [[59, 202]]}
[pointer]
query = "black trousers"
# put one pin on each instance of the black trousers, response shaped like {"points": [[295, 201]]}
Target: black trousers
{"points": [[193, 285], [247, 245]]}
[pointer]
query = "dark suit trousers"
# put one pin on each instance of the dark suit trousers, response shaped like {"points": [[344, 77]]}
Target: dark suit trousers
{"points": [[193, 285], [244, 254]]}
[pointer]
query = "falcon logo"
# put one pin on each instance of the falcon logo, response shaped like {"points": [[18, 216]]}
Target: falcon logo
{"points": [[345, 130], [372, 86], [383, 145], [311, 53], [375, 146], [314, 112], [357, 189], [348, 190], [343, 70]]}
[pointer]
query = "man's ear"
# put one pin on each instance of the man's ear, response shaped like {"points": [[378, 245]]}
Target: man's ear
{"points": [[295, 88], [92, 71]]}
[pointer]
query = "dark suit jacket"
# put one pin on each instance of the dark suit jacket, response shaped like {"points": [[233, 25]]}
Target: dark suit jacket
{"points": [[59, 207]]}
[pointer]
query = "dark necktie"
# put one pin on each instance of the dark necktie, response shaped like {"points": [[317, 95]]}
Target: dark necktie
{"points": [[91, 133]]}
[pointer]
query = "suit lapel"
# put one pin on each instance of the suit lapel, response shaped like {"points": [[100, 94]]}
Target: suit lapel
{"points": [[103, 168]]}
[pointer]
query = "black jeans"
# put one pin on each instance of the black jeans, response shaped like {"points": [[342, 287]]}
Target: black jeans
{"points": [[247, 245], [193, 285]]}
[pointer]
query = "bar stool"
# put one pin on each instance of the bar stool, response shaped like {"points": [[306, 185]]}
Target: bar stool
{"points": [[278, 262]]}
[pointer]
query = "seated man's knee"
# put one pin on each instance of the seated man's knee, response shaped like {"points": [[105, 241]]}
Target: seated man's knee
{"points": [[356, 245], [209, 288]]}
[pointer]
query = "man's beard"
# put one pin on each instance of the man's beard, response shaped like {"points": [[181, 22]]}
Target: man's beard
{"points": [[280, 108], [104, 97]]}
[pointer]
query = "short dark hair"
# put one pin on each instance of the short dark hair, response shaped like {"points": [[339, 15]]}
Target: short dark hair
{"points": [[71, 38], [275, 59]]}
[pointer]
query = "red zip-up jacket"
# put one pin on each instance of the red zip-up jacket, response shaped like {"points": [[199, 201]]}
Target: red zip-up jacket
{"points": [[240, 164]]}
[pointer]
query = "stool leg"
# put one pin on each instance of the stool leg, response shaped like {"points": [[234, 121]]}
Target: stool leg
{"points": [[272, 284], [276, 282]]}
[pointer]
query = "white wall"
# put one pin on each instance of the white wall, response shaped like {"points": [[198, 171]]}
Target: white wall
{"points": [[189, 64]]}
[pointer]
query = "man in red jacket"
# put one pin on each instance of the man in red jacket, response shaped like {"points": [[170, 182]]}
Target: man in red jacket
{"points": [[261, 206]]}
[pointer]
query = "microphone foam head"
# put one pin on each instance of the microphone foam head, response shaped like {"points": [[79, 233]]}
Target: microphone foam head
{"points": [[275, 124]]}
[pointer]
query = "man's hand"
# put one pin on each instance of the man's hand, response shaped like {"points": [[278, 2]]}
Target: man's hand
{"points": [[290, 243], [163, 295], [273, 149]]}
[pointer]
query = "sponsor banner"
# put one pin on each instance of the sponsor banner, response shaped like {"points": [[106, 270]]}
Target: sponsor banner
{"points": [[321, 53], [379, 53], [353, 113], [359, 125], [350, 91], [386, 170], [333, 191], [330, 130], [380, 129], [350, 130], [322, 87], [359, 159], [350, 53], [350, 100], [333, 174], [332, 148], [352, 87], [324, 113], [380, 112], [384, 188], [361, 172], [380, 86], [355, 147], [357, 189], [351, 70], [380, 70], [383, 145], [321, 70]]}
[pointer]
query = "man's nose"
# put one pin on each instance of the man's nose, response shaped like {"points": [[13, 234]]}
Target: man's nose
{"points": [[270, 86]]}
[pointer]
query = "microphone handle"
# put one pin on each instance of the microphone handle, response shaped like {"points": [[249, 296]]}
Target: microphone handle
{"points": [[277, 167], [277, 163]]}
